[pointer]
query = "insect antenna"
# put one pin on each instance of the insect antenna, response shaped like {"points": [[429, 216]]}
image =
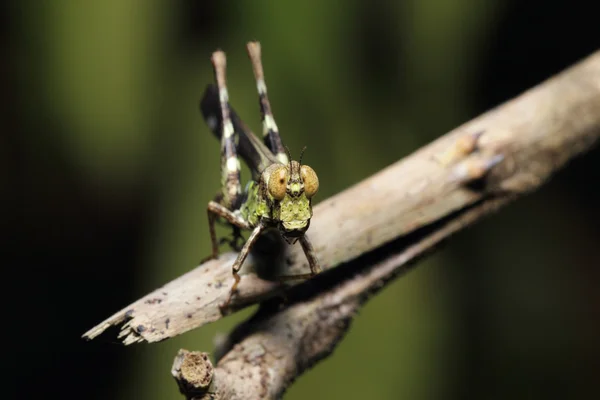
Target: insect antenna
{"points": [[301, 155], [289, 156]]}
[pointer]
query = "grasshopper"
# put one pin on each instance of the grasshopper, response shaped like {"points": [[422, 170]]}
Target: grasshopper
{"points": [[279, 196]]}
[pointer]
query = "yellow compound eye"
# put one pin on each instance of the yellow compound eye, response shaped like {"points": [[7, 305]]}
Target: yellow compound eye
{"points": [[311, 181], [278, 183]]}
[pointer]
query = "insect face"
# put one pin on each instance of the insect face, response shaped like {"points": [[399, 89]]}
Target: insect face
{"points": [[292, 186]]}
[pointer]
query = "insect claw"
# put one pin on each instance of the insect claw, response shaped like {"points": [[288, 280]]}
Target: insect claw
{"points": [[224, 306]]}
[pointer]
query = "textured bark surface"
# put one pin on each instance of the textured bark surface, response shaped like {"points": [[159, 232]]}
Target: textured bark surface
{"points": [[367, 234]]}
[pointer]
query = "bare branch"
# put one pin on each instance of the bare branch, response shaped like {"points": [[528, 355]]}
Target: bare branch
{"points": [[375, 229], [264, 355], [515, 148], [535, 134]]}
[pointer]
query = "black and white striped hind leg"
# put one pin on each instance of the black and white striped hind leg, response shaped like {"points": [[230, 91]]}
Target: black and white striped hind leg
{"points": [[271, 136], [230, 164]]}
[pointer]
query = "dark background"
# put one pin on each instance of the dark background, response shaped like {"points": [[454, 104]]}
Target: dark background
{"points": [[106, 168]]}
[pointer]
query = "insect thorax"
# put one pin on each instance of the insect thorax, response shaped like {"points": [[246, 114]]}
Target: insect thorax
{"points": [[255, 207]]}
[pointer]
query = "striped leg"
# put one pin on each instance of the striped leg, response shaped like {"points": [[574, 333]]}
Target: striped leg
{"points": [[270, 132], [230, 164]]}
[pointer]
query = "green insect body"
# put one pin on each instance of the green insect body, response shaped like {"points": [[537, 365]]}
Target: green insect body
{"points": [[255, 207], [279, 195]]}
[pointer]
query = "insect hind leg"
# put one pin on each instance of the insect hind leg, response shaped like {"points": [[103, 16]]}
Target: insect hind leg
{"points": [[271, 136], [230, 164]]}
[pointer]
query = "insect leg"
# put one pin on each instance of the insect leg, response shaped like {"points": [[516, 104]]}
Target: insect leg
{"points": [[313, 261], [309, 251], [239, 261], [270, 131], [230, 164], [215, 210]]}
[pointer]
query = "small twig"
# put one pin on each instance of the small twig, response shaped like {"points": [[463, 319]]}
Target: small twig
{"points": [[375, 229]]}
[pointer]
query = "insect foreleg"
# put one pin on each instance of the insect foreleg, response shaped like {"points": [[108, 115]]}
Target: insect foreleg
{"points": [[313, 261], [309, 251], [239, 261]]}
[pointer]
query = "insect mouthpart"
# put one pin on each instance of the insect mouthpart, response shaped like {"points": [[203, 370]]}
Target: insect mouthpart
{"points": [[291, 236]]}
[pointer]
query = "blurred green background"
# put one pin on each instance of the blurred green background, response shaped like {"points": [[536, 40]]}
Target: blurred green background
{"points": [[106, 168]]}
